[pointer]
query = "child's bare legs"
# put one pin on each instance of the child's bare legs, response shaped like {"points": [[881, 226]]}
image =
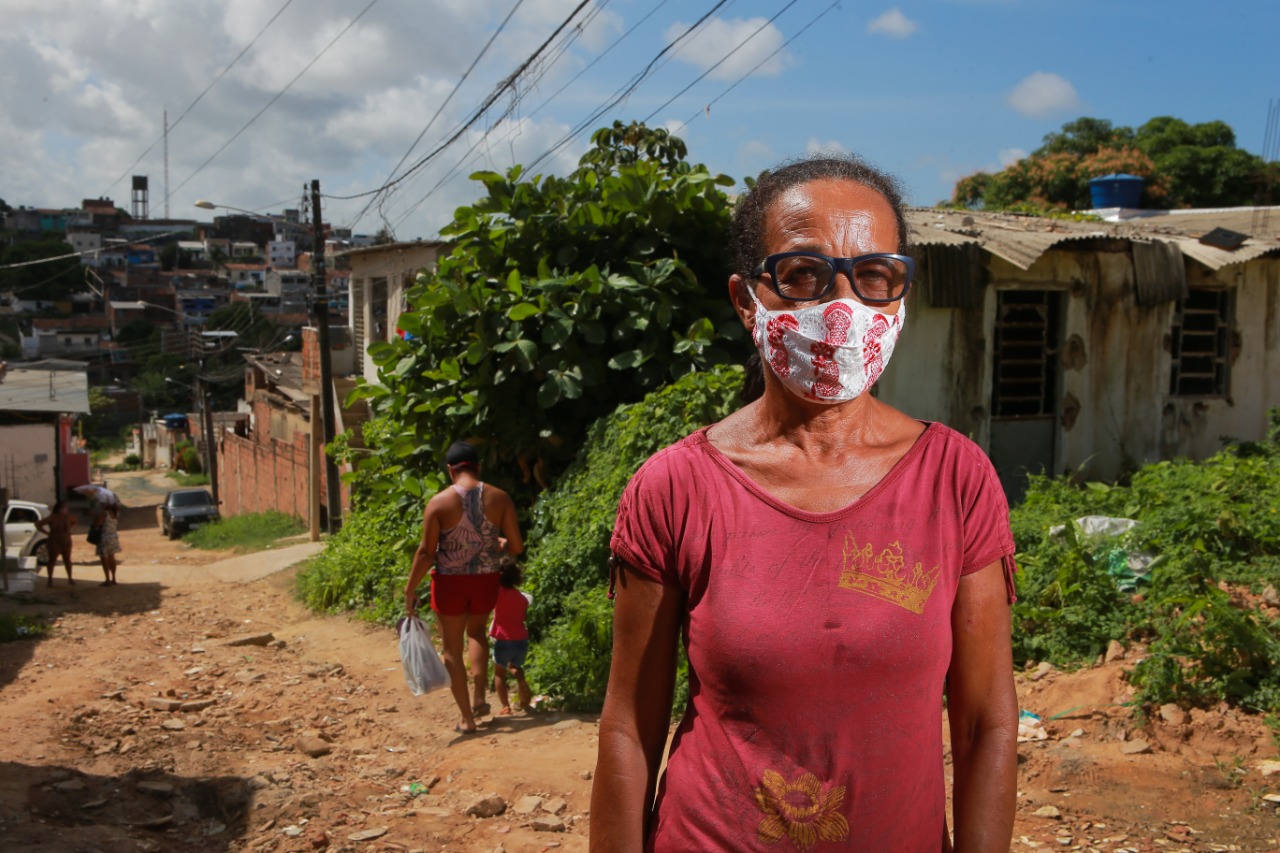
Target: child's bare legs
{"points": [[109, 568], [500, 687], [522, 686], [66, 561]]}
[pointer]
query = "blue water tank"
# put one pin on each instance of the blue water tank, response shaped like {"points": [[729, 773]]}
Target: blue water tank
{"points": [[1116, 191]]}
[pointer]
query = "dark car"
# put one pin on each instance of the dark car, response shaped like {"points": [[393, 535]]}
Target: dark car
{"points": [[184, 510]]}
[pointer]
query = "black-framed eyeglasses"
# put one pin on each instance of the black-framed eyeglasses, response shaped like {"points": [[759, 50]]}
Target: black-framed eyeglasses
{"points": [[806, 276]]}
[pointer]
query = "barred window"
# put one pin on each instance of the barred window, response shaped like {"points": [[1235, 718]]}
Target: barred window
{"points": [[1200, 344]]}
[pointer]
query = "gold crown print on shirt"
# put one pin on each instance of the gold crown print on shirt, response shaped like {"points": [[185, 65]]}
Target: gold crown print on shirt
{"points": [[886, 575]]}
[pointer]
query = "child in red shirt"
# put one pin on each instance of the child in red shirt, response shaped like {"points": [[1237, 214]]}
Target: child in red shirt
{"points": [[510, 637]]}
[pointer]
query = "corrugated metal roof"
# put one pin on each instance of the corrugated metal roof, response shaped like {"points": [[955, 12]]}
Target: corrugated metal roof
{"points": [[1021, 239], [44, 391]]}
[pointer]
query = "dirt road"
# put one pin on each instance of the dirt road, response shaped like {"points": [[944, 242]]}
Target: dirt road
{"points": [[197, 706]]}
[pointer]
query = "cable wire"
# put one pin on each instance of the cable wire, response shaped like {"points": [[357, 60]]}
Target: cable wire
{"points": [[274, 98], [190, 106]]}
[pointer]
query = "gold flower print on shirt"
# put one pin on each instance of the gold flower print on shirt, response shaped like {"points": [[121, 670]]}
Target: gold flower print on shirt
{"points": [[886, 575], [800, 810]]}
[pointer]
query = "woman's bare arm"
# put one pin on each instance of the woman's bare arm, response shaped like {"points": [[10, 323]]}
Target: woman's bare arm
{"points": [[637, 711], [983, 709], [424, 557]]}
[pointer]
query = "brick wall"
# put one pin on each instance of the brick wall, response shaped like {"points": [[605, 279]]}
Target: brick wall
{"points": [[256, 477]]}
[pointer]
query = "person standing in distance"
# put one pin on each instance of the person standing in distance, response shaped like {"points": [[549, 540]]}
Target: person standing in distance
{"points": [[467, 529]]}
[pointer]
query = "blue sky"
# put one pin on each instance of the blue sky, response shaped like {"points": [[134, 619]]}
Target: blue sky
{"points": [[929, 90]]}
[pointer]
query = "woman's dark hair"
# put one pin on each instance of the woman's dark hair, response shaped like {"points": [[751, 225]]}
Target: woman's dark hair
{"points": [[746, 235], [509, 573]]}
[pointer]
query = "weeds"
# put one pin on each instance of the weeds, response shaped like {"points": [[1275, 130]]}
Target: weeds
{"points": [[246, 533], [18, 627]]}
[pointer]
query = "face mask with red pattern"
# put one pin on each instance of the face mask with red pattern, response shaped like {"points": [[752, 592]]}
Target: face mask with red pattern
{"points": [[830, 352]]}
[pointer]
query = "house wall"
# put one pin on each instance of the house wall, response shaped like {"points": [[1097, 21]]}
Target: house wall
{"points": [[398, 264], [27, 457], [1115, 411]]}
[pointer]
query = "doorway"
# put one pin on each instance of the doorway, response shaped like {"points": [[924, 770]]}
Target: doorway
{"points": [[1025, 382]]}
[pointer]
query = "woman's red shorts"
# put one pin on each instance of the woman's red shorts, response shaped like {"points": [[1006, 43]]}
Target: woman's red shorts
{"points": [[454, 595]]}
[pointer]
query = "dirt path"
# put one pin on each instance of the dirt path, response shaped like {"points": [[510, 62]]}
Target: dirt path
{"points": [[143, 723]]}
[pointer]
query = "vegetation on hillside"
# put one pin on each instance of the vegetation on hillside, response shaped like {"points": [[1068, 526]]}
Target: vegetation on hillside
{"points": [[1185, 165]]}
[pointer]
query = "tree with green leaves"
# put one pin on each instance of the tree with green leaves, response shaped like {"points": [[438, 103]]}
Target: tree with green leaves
{"points": [[52, 280], [1184, 165], [559, 299]]}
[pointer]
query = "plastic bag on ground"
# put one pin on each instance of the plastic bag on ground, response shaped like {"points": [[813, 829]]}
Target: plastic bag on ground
{"points": [[423, 669]]}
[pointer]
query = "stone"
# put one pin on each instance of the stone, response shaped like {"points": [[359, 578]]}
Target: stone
{"points": [[527, 805], [1048, 811], [367, 834], [163, 790], [567, 724], [547, 823], [197, 705], [313, 747], [556, 806], [1115, 652], [486, 805], [1270, 596], [70, 786], [1172, 714], [162, 703], [586, 775], [1041, 671], [1268, 768], [251, 640], [173, 725], [292, 831], [1078, 733], [1135, 747]]}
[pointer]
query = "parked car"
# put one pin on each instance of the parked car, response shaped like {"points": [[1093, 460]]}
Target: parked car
{"points": [[21, 539], [184, 510]]}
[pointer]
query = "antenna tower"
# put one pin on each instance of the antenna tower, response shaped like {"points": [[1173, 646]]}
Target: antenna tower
{"points": [[166, 163]]}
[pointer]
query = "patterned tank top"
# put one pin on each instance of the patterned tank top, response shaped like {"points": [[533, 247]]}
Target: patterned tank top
{"points": [[470, 547]]}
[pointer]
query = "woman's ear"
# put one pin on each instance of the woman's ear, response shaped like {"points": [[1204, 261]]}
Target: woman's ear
{"points": [[743, 305]]}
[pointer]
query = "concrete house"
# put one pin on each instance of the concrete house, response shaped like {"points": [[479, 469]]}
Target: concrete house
{"points": [[1092, 346], [379, 278]]}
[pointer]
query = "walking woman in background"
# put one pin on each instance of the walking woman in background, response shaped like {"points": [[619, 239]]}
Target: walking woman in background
{"points": [[837, 569], [110, 545], [466, 530]]}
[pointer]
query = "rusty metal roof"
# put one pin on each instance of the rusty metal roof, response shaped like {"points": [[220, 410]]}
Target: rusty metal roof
{"points": [[1021, 239]]}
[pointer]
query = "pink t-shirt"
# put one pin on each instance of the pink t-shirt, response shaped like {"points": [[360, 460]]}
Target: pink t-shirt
{"points": [[508, 615], [818, 645]]}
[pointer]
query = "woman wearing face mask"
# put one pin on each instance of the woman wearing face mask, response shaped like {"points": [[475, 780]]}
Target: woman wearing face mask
{"points": [[835, 567]]}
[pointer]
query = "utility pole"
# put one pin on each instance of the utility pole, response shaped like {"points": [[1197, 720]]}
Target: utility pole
{"points": [[210, 440], [333, 492]]}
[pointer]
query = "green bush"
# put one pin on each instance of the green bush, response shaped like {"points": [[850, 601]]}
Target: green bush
{"points": [[133, 460], [245, 533], [366, 564], [1212, 523], [571, 621]]}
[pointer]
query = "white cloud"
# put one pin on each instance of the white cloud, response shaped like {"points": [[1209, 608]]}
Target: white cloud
{"points": [[815, 146], [720, 36], [893, 24], [1044, 94], [1009, 156]]}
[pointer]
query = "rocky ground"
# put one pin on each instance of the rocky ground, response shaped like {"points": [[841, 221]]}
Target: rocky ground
{"points": [[197, 706]]}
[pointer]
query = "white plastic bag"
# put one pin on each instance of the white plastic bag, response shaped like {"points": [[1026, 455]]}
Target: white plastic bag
{"points": [[423, 669]]}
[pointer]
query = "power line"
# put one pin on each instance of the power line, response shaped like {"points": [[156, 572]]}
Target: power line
{"points": [[723, 59], [276, 97], [507, 84], [190, 106], [614, 100], [502, 26], [454, 169], [622, 94]]}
